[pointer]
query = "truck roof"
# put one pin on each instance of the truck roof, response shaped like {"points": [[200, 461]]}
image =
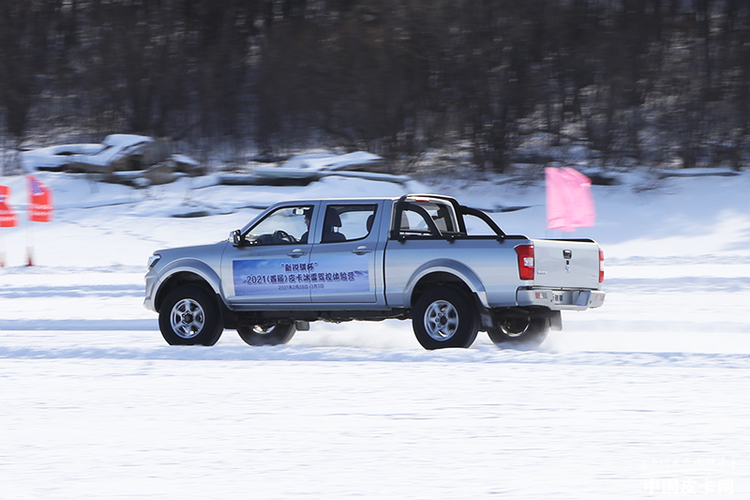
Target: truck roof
{"points": [[410, 197]]}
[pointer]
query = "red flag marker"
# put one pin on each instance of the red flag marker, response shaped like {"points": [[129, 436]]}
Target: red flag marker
{"points": [[40, 200], [40, 209], [8, 216]]}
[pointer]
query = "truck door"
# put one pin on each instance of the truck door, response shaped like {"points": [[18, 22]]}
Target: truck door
{"points": [[271, 265], [346, 259]]}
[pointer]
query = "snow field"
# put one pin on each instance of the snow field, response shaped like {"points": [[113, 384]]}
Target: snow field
{"points": [[270, 429], [642, 398]]}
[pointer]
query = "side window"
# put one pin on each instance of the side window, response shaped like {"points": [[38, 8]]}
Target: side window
{"points": [[284, 226], [347, 222]]}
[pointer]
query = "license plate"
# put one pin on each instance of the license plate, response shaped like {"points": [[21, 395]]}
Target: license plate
{"points": [[558, 298]]}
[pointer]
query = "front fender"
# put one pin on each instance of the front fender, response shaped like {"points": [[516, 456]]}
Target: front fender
{"points": [[454, 267], [185, 265]]}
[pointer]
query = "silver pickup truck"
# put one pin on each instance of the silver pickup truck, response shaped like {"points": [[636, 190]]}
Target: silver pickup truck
{"points": [[447, 267]]}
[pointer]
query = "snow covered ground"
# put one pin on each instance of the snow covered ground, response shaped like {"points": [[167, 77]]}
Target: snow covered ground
{"points": [[643, 398]]}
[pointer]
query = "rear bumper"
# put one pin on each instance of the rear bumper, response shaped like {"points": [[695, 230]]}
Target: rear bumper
{"points": [[560, 300]]}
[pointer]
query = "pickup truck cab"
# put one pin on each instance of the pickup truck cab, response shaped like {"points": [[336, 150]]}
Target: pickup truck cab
{"points": [[447, 267]]}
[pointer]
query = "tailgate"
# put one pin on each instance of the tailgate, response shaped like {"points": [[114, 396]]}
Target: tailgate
{"points": [[566, 264]]}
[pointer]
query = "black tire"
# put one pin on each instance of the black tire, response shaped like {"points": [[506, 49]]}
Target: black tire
{"points": [[272, 334], [519, 332], [444, 317], [190, 316]]}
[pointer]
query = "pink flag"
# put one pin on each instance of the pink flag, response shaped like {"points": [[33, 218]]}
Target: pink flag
{"points": [[8, 217], [569, 201]]}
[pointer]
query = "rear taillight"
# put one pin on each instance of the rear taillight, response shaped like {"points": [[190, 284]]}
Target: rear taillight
{"points": [[525, 261], [601, 266]]}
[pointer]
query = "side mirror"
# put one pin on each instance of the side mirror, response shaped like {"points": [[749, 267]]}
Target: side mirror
{"points": [[236, 237]]}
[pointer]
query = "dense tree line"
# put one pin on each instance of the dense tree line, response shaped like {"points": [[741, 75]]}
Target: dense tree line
{"points": [[649, 81]]}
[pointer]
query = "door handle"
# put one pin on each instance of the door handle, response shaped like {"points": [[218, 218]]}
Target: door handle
{"points": [[361, 250], [296, 253]]}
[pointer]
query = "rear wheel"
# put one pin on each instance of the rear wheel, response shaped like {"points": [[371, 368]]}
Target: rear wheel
{"points": [[517, 331], [444, 317], [270, 334], [190, 316]]}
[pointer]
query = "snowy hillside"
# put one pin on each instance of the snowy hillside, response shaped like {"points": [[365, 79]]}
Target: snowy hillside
{"points": [[641, 398]]}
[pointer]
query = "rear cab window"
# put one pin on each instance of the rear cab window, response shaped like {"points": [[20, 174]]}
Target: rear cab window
{"points": [[427, 217]]}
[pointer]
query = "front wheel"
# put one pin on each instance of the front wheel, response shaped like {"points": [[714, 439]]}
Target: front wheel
{"points": [[190, 316], [273, 334], [519, 331], [444, 317]]}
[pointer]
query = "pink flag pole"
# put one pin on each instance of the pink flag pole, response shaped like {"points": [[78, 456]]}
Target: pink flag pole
{"points": [[29, 244]]}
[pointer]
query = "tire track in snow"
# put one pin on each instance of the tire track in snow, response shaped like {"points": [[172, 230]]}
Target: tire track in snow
{"points": [[481, 355], [678, 284], [80, 290]]}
